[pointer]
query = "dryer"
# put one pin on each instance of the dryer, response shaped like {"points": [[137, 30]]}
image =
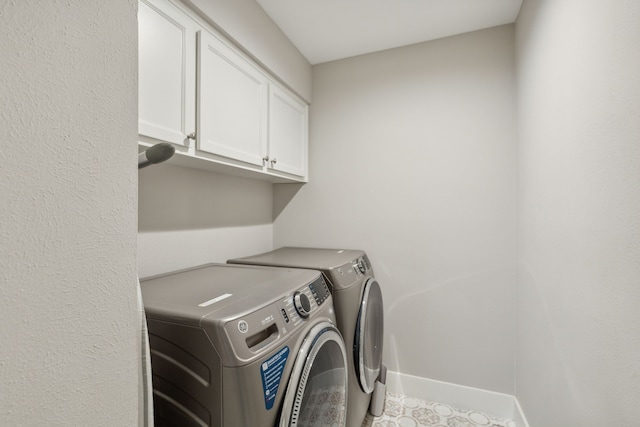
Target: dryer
{"points": [[359, 311], [239, 346]]}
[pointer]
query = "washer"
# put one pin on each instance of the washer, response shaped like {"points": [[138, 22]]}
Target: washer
{"points": [[359, 311], [239, 346]]}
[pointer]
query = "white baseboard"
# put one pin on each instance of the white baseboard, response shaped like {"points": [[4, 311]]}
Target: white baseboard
{"points": [[498, 404]]}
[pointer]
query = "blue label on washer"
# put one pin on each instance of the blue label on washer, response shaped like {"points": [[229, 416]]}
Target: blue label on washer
{"points": [[271, 370]]}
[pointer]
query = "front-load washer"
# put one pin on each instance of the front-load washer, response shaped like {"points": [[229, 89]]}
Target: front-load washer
{"points": [[357, 299], [239, 346]]}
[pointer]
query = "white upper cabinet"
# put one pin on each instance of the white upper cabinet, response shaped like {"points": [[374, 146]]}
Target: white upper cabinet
{"points": [[167, 74], [195, 84], [288, 118], [232, 101]]}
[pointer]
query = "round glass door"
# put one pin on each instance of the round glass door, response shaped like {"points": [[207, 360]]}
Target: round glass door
{"points": [[369, 336], [317, 391]]}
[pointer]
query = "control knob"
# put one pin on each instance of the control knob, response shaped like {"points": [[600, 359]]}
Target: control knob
{"points": [[302, 304], [359, 265]]}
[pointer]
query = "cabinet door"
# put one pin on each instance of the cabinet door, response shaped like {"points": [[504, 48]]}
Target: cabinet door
{"points": [[166, 69], [288, 118], [232, 103]]}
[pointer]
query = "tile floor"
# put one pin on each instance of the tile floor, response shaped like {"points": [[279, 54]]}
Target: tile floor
{"points": [[403, 411]]}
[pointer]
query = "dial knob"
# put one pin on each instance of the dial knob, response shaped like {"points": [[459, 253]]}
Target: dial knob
{"points": [[361, 266], [302, 304]]}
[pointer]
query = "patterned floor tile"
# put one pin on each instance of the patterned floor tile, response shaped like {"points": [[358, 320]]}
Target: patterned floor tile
{"points": [[404, 411]]}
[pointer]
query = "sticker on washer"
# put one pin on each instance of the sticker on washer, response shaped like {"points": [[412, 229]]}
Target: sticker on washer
{"points": [[214, 300], [271, 370]]}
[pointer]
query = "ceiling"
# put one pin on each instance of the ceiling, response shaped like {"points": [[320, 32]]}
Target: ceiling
{"points": [[326, 30]]}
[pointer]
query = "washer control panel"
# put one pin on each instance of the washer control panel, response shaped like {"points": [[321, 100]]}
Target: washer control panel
{"points": [[303, 302], [320, 290]]}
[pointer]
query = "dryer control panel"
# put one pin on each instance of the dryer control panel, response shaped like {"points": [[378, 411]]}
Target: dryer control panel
{"points": [[361, 266]]}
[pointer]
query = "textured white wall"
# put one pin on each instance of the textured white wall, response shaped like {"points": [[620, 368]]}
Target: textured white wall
{"points": [[190, 217], [245, 22], [68, 347], [578, 347], [412, 158]]}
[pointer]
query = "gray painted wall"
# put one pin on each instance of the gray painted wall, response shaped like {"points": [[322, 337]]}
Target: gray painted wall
{"points": [[578, 346], [412, 158], [190, 217], [69, 349]]}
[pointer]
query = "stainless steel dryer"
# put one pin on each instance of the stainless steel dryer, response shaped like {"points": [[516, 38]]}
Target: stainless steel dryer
{"points": [[239, 346], [359, 310]]}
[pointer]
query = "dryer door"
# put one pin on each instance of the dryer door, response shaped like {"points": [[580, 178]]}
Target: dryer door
{"points": [[317, 391], [367, 349]]}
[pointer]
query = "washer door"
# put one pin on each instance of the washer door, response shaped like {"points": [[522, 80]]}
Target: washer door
{"points": [[367, 348], [317, 391]]}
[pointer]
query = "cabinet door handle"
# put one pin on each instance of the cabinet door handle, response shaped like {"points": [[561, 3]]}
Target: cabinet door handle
{"points": [[192, 136], [265, 159], [273, 161]]}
